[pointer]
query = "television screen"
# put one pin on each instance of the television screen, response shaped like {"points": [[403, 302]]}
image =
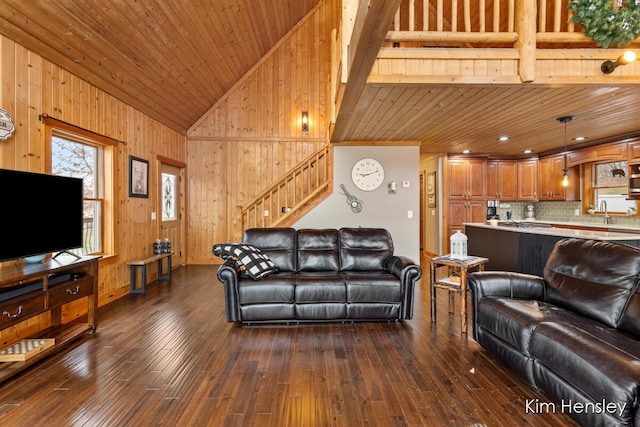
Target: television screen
{"points": [[43, 211]]}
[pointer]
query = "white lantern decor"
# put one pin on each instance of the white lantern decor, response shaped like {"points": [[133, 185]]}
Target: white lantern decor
{"points": [[458, 245]]}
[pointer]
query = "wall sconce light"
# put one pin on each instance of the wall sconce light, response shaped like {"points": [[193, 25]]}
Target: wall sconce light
{"points": [[392, 187], [305, 121], [607, 67]]}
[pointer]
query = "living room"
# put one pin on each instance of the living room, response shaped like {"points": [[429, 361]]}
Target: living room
{"points": [[230, 141]]}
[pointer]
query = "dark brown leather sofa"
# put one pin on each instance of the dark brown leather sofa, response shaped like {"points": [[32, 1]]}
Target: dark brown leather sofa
{"points": [[349, 274], [574, 334]]}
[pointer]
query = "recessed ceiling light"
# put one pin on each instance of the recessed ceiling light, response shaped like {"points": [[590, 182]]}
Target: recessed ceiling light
{"points": [[579, 138], [503, 138], [527, 151], [466, 151]]}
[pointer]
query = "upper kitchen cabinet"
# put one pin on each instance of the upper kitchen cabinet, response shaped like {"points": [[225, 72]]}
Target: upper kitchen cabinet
{"points": [[613, 152], [633, 152], [550, 180], [466, 178], [502, 180], [528, 179]]}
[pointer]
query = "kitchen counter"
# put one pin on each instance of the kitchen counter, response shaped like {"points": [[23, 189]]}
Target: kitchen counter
{"points": [[562, 230], [525, 246]]}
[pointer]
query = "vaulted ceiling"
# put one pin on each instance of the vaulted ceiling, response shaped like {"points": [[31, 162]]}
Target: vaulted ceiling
{"points": [[173, 59]]}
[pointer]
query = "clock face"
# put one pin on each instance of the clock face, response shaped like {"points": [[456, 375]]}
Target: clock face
{"points": [[367, 174]]}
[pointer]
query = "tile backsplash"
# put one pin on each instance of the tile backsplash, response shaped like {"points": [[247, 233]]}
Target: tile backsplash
{"points": [[562, 212]]}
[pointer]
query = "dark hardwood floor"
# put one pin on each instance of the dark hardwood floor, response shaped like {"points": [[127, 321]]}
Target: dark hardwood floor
{"points": [[169, 358]]}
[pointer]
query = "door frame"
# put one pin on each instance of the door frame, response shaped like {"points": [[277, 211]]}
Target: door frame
{"points": [[180, 252]]}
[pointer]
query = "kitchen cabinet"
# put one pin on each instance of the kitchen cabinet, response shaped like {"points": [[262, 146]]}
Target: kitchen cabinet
{"points": [[466, 178], [461, 211], [633, 152], [550, 180], [614, 152], [528, 180], [502, 180]]}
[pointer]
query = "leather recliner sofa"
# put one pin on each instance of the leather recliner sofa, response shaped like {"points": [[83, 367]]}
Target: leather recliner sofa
{"points": [[349, 274], [574, 334]]}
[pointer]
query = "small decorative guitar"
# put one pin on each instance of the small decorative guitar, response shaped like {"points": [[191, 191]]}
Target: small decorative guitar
{"points": [[356, 205]]}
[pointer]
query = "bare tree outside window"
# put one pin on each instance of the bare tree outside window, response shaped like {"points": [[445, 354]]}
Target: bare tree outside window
{"points": [[81, 160]]}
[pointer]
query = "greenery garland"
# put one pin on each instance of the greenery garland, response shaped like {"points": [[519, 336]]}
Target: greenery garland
{"points": [[605, 24]]}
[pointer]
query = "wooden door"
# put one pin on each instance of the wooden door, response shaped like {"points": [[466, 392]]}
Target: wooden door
{"points": [[171, 210]]}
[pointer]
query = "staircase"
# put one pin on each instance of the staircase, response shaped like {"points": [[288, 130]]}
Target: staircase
{"points": [[292, 196]]}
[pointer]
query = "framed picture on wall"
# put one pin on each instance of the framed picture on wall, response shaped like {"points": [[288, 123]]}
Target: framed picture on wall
{"points": [[138, 177], [431, 190]]}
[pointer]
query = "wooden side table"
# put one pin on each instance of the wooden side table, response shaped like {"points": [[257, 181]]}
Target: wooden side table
{"points": [[454, 282]]}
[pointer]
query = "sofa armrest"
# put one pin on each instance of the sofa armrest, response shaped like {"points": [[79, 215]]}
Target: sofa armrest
{"points": [[405, 269], [230, 278], [506, 284], [502, 284]]}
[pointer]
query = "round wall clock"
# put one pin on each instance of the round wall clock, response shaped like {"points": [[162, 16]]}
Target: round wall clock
{"points": [[367, 174]]}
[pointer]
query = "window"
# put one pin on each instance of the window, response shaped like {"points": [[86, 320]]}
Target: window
{"points": [[82, 160], [78, 153], [610, 187], [168, 197]]}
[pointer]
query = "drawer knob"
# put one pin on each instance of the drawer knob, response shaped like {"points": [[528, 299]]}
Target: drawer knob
{"points": [[73, 292], [13, 316]]}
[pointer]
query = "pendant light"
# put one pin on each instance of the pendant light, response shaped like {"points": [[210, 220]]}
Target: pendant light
{"points": [[565, 170]]}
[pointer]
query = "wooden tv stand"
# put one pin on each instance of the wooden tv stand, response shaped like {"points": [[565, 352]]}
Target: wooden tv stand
{"points": [[28, 290]]}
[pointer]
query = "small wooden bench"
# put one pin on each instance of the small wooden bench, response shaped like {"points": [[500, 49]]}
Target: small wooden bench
{"points": [[142, 263]]}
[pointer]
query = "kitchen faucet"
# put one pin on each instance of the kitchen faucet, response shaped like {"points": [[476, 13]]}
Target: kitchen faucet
{"points": [[603, 207]]}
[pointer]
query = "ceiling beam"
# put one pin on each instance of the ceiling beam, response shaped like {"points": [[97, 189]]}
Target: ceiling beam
{"points": [[372, 23]]}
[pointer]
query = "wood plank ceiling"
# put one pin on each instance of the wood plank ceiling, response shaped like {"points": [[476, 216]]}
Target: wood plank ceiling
{"points": [[173, 59]]}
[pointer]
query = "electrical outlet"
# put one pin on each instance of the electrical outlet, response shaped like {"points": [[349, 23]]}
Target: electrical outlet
{"points": [[409, 214], [153, 216], [266, 212]]}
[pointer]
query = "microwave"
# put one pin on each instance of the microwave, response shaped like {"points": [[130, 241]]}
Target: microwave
{"points": [[634, 184]]}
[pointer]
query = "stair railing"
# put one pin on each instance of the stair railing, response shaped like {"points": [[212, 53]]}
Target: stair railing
{"points": [[291, 193]]}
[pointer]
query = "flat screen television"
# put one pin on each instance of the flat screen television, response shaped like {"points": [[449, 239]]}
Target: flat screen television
{"points": [[44, 213]]}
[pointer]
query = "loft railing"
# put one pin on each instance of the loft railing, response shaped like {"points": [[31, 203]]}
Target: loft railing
{"points": [[442, 22], [283, 200]]}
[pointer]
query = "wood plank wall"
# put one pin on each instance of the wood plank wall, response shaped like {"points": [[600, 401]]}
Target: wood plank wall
{"points": [[30, 86], [253, 136]]}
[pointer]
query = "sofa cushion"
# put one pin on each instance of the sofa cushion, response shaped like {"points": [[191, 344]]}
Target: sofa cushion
{"points": [[372, 287], [279, 244], [601, 362], [515, 321], [320, 287], [277, 288], [593, 278], [318, 250], [364, 249], [511, 320], [246, 258]]}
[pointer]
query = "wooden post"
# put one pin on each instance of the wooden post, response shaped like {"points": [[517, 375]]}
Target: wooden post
{"points": [[526, 43]]}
